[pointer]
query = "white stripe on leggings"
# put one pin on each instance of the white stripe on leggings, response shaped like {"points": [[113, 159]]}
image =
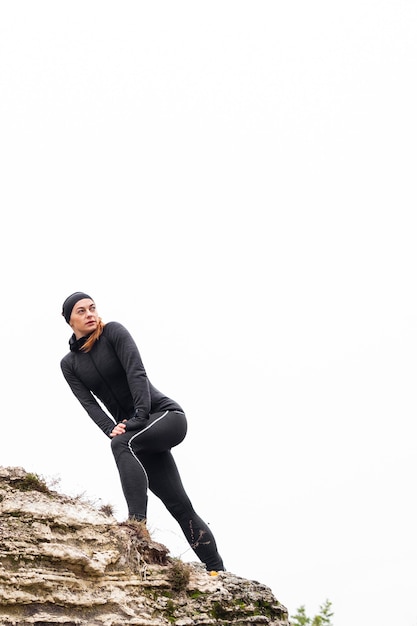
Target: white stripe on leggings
{"points": [[137, 435]]}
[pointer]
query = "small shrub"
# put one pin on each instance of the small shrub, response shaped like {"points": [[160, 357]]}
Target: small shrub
{"points": [[139, 528], [32, 482], [107, 509], [179, 575]]}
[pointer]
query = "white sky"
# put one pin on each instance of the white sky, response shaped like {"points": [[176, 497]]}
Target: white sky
{"points": [[235, 183]]}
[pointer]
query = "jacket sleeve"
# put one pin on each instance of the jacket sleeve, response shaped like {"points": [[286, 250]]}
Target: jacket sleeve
{"points": [[130, 359], [87, 400]]}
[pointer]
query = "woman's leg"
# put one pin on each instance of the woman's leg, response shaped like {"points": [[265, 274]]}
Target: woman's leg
{"points": [[144, 460], [165, 482], [133, 476], [164, 430]]}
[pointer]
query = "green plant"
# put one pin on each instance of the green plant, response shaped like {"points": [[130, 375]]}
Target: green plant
{"points": [[219, 611], [170, 610], [323, 618]]}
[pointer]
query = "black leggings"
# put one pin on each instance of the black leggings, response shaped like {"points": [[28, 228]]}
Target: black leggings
{"points": [[144, 460]]}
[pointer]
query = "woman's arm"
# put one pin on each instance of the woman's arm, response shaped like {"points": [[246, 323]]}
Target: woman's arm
{"points": [[87, 400], [130, 359]]}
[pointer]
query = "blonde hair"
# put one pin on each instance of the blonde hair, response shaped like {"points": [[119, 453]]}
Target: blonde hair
{"points": [[95, 336]]}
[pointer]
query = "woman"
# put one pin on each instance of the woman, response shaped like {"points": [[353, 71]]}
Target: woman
{"points": [[104, 363]]}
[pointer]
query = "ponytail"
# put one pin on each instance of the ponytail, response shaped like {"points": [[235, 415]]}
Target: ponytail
{"points": [[95, 335]]}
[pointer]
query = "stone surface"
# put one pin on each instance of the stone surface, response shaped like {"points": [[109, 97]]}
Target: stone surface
{"points": [[62, 561]]}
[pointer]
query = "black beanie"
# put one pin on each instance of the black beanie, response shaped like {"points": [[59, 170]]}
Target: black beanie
{"points": [[70, 302]]}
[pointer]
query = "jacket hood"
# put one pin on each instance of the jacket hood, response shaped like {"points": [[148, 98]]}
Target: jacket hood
{"points": [[76, 344]]}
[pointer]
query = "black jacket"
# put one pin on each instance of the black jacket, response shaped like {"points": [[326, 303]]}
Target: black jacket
{"points": [[114, 373]]}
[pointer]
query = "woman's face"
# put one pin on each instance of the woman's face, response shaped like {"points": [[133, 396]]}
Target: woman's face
{"points": [[84, 318]]}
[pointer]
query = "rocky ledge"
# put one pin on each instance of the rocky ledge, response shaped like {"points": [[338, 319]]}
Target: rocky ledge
{"points": [[64, 561]]}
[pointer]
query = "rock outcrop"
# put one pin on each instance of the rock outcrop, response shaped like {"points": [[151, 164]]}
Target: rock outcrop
{"points": [[63, 561]]}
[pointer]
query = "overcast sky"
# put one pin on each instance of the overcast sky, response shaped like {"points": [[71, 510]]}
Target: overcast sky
{"points": [[235, 182]]}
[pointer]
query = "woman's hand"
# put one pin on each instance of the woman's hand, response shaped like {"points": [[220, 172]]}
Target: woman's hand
{"points": [[119, 429]]}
